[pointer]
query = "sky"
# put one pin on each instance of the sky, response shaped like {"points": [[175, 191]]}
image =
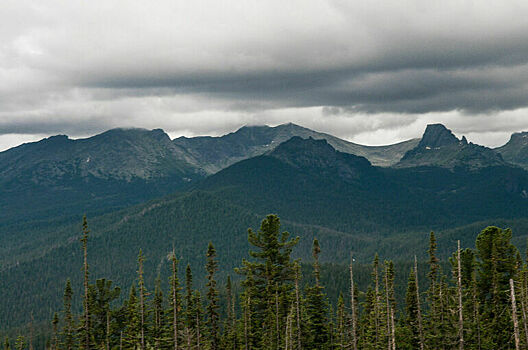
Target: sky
{"points": [[372, 72]]}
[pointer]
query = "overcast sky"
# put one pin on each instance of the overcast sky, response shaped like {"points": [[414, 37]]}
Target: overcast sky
{"points": [[373, 72]]}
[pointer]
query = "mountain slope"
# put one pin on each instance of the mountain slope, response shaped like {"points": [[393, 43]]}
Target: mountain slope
{"points": [[439, 147], [516, 150], [216, 153], [117, 168], [341, 199]]}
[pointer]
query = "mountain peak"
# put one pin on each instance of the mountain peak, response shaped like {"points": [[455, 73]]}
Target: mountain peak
{"points": [[516, 150], [318, 155], [437, 135]]}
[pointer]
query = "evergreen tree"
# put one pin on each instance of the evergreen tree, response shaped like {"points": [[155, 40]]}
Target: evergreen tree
{"points": [[131, 336], [20, 343], [175, 303], [189, 312], [212, 296], [411, 312], [142, 295], [85, 330], [497, 263], [55, 330], [158, 324], [67, 332], [272, 271], [318, 336], [101, 295]]}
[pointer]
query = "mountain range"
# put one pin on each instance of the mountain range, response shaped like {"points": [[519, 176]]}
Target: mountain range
{"points": [[143, 190]]}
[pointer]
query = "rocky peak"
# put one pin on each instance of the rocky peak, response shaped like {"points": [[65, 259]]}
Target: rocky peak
{"points": [[437, 135]]}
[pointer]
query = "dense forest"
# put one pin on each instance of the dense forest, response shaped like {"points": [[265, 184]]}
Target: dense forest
{"points": [[477, 300]]}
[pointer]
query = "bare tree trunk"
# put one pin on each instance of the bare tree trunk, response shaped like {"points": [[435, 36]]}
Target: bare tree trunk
{"points": [[514, 316], [353, 305], [121, 340], [419, 311], [460, 311], [523, 305]]}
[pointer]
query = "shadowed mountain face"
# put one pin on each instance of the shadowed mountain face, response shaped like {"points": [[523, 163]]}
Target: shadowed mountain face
{"points": [[516, 150], [114, 169], [439, 147], [216, 153]]}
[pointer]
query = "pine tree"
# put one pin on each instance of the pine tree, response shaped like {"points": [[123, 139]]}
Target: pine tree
{"points": [[85, 330], [189, 312], [212, 296], [271, 271], [101, 295], [341, 323], [497, 264], [318, 336], [6, 344], [353, 308], [20, 343], [197, 314], [55, 330], [67, 332], [158, 325], [229, 340], [131, 337], [411, 311], [142, 295], [175, 302]]}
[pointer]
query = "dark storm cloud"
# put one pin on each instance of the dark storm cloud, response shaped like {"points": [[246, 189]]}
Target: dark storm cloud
{"points": [[207, 67]]}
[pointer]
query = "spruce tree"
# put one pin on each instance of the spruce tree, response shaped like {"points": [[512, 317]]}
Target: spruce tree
{"points": [[318, 336], [271, 271], [67, 332], [212, 296], [175, 303], [142, 295], [497, 264], [85, 330], [55, 330]]}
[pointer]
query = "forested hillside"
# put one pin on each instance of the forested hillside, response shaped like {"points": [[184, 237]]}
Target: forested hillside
{"points": [[477, 300]]}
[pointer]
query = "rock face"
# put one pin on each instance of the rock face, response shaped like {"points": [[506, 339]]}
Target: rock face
{"points": [[437, 135], [516, 150], [439, 147]]}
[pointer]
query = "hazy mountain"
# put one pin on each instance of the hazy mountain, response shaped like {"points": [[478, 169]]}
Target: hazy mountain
{"points": [[439, 147], [516, 150], [216, 153]]}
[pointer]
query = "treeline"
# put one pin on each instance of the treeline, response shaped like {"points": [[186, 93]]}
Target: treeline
{"points": [[481, 303]]}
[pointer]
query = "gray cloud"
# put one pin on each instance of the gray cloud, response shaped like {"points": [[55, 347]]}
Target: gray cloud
{"points": [[361, 70]]}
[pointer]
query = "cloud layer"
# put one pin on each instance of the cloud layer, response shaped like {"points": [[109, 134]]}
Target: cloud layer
{"points": [[363, 70]]}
